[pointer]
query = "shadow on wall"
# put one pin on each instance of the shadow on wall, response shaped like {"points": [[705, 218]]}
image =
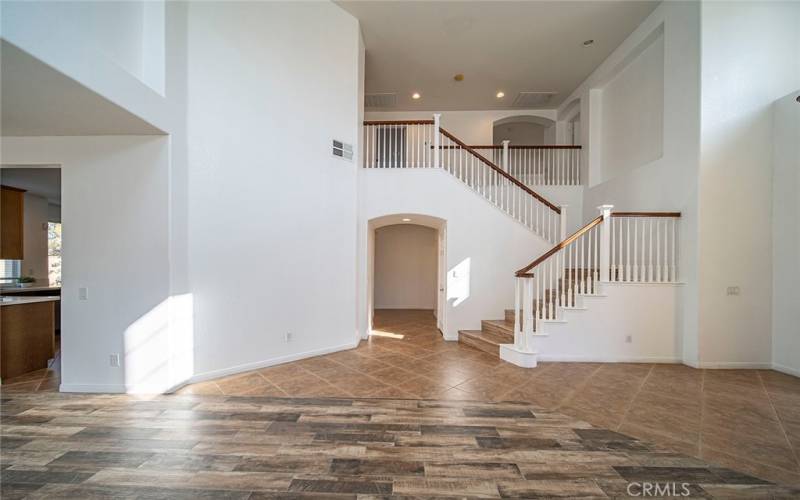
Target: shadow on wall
{"points": [[159, 347]]}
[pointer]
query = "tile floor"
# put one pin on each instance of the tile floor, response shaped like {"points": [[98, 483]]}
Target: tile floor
{"points": [[114, 446], [745, 419], [748, 420]]}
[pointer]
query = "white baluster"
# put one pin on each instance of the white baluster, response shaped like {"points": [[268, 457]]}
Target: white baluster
{"points": [[635, 249], [674, 251], [528, 307], [517, 298], [657, 262], [663, 265], [612, 275]]}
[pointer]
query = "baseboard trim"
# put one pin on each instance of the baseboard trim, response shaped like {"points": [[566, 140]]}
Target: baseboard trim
{"points": [[224, 372], [608, 359], [93, 388], [786, 369], [734, 365]]}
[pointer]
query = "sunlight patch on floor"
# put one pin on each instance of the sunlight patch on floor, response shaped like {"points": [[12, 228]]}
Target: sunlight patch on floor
{"points": [[388, 335]]}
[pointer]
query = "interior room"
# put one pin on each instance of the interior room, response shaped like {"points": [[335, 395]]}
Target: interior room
{"points": [[369, 249]]}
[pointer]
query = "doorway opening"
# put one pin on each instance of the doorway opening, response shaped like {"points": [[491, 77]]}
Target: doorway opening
{"points": [[524, 130], [31, 275], [407, 269]]}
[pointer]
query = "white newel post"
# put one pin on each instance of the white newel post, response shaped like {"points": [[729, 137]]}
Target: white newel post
{"points": [[436, 140], [563, 222], [527, 322], [505, 154], [605, 242]]}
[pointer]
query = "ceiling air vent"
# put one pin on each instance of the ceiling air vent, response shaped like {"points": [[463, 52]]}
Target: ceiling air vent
{"points": [[533, 99], [385, 100]]}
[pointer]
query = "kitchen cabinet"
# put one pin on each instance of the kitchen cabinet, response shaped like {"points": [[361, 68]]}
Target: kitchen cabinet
{"points": [[12, 212], [27, 334]]}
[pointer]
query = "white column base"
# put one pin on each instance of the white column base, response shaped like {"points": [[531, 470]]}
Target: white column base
{"points": [[515, 356]]}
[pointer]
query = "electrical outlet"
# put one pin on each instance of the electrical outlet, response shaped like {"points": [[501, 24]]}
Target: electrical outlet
{"points": [[287, 337], [83, 293], [113, 360], [733, 290], [628, 339]]}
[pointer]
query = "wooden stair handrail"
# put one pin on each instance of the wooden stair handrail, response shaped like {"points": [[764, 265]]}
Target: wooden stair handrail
{"points": [[399, 122], [646, 214], [541, 146], [500, 170], [523, 273]]}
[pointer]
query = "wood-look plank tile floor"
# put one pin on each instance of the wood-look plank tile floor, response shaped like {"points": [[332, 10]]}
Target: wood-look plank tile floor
{"points": [[198, 446]]}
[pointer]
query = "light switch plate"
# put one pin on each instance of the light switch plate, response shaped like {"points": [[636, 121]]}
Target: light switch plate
{"points": [[83, 293]]}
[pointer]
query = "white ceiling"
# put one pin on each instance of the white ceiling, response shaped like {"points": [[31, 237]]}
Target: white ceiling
{"points": [[508, 46], [44, 182], [37, 100]]}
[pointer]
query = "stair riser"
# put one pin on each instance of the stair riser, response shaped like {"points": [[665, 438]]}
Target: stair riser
{"points": [[507, 334], [487, 347]]}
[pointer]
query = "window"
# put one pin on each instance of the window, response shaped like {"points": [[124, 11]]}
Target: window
{"points": [[54, 252], [9, 269]]}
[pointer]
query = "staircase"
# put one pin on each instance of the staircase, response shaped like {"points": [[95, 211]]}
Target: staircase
{"points": [[495, 332], [425, 144], [614, 248]]}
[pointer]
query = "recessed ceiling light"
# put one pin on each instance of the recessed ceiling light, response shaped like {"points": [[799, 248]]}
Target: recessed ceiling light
{"points": [[587, 43], [501, 94], [459, 77], [415, 95], [406, 220]]}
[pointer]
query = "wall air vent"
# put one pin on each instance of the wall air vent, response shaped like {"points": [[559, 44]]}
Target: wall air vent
{"points": [[533, 99], [384, 100], [342, 150]]}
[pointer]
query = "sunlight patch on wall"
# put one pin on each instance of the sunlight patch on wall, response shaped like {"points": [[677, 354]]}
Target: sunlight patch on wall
{"points": [[159, 347], [458, 282]]}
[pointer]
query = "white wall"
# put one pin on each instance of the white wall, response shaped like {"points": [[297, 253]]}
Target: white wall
{"points": [[473, 127], [405, 267], [749, 60], [599, 332], [271, 212], [484, 246], [34, 262], [786, 235], [119, 252], [669, 182], [116, 49], [632, 113]]}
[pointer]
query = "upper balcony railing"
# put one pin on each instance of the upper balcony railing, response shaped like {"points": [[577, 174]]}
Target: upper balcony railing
{"points": [[410, 144], [546, 165]]}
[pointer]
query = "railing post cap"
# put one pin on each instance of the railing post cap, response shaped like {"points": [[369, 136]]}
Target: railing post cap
{"points": [[605, 207], [506, 142]]}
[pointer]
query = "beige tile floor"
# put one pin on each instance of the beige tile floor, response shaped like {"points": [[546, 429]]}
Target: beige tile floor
{"points": [[747, 420]]}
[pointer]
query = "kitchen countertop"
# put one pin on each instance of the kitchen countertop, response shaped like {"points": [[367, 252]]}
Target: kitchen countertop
{"points": [[36, 287], [15, 301]]}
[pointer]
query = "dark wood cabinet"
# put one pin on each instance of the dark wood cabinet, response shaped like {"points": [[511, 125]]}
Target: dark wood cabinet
{"points": [[12, 215]]}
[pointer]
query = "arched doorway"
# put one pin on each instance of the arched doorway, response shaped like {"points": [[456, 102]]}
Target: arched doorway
{"points": [[524, 130], [407, 265]]}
